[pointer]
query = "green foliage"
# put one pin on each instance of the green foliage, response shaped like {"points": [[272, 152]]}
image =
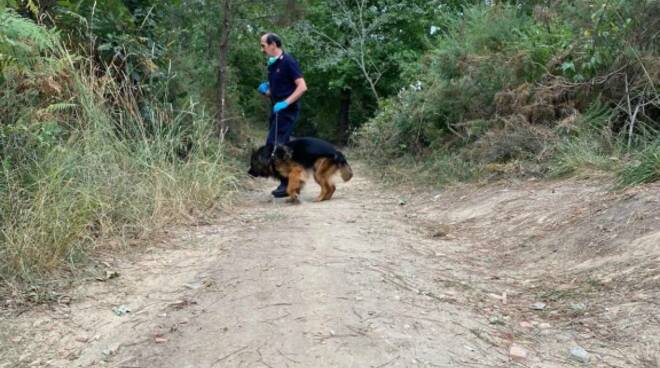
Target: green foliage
{"points": [[84, 161], [546, 86], [583, 155], [584, 146], [22, 43], [645, 167], [361, 47], [123, 34], [482, 52]]}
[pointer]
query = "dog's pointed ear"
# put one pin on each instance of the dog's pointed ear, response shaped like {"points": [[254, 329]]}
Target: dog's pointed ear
{"points": [[288, 153], [265, 151], [283, 152]]}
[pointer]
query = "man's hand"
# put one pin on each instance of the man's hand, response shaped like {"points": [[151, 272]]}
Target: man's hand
{"points": [[280, 106], [263, 88]]}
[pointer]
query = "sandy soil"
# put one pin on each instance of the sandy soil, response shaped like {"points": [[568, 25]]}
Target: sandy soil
{"points": [[375, 277]]}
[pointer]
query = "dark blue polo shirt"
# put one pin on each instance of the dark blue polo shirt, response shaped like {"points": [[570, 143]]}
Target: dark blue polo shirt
{"points": [[281, 76]]}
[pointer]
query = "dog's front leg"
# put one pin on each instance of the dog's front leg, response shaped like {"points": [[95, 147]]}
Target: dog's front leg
{"points": [[296, 182]]}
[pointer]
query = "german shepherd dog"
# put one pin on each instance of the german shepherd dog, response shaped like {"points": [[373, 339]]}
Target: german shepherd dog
{"points": [[294, 159]]}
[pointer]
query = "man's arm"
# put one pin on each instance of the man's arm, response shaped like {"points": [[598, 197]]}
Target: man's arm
{"points": [[301, 87]]}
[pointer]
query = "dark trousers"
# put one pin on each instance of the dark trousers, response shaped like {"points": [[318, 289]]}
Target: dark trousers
{"points": [[286, 121]]}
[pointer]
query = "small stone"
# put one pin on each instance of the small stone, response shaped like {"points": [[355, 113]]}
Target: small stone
{"points": [[441, 231], [517, 353], [579, 354], [82, 338], [544, 325], [496, 320], [194, 285], [564, 337], [538, 306], [111, 350], [439, 234], [121, 310], [525, 324], [579, 307]]}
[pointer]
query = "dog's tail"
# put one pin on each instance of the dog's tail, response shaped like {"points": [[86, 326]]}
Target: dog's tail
{"points": [[344, 168]]}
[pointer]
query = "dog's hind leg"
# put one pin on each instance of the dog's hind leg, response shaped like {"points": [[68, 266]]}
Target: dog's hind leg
{"points": [[296, 182], [329, 192], [330, 187], [318, 177], [324, 169], [322, 184]]}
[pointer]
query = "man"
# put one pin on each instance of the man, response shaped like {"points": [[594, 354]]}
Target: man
{"points": [[285, 86]]}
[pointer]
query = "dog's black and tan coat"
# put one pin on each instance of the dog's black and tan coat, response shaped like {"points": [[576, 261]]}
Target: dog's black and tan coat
{"points": [[294, 159]]}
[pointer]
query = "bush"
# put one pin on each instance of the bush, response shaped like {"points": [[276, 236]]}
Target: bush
{"points": [[567, 87], [483, 51], [81, 164]]}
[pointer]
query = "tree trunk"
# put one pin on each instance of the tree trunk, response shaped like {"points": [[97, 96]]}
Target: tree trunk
{"points": [[343, 123], [222, 71]]}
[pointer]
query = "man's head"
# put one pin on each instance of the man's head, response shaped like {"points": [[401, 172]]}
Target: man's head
{"points": [[271, 44]]}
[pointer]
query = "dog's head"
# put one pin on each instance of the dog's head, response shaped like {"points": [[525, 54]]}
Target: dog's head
{"points": [[261, 162], [263, 159]]}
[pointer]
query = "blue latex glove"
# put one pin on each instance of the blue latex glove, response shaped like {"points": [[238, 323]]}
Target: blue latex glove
{"points": [[280, 106], [263, 88]]}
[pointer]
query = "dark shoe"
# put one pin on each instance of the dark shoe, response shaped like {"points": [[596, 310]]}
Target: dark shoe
{"points": [[280, 191]]}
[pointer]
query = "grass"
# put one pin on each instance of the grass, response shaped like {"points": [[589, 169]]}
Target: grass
{"points": [[443, 169], [583, 156], [644, 169], [74, 178]]}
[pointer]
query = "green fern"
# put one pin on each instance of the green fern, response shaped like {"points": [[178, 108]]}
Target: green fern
{"points": [[59, 107], [34, 8], [23, 42]]}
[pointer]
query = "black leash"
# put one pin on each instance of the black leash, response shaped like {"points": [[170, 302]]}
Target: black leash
{"points": [[275, 138]]}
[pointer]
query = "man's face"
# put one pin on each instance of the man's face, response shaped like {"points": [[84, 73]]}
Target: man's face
{"points": [[268, 50]]}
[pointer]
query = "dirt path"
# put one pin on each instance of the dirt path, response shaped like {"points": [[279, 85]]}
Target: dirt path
{"points": [[368, 279]]}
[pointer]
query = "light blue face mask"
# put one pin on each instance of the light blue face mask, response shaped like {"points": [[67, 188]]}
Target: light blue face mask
{"points": [[271, 60]]}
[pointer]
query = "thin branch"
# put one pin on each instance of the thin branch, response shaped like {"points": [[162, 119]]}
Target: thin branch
{"points": [[228, 355]]}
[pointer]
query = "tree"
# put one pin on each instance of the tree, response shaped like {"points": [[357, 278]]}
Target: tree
{"points": [[355, 27], [360, 49], [222, 67]]}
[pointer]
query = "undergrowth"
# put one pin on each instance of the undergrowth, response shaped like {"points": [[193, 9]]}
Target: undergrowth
{"points": [[84, 161]]}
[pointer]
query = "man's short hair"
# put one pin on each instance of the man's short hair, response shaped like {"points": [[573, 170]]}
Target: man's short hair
{"points": [[272, 37]]}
